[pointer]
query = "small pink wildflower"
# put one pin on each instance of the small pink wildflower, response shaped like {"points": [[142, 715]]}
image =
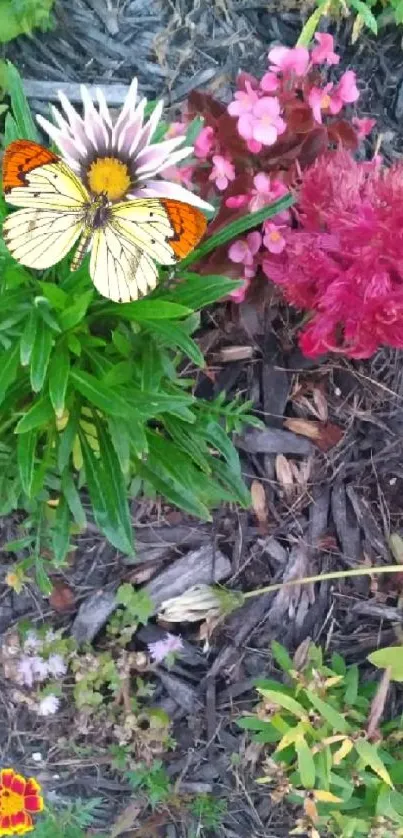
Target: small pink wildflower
{"points": [[345, 93], [222, 172], [25, 672], [363, 126], [162, 648], [39, 668], [243, 251], [323, 53], [265, 191], [180, 174], [204, 143], [319, 100], [269, 82], [244, 101], [239, 294], [273, 239], [264, 123], [284, 59], [237, 201], [176, 129]]}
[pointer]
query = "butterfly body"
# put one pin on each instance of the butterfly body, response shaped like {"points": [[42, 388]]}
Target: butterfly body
{"points": [[126, 239]]}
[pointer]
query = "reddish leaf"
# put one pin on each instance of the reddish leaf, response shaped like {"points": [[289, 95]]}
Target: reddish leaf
{"points": [[62, 597]]}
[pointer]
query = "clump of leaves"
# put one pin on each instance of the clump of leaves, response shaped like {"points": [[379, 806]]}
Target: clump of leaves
{"points": [[367, 13], [134, 608], [20, 17], [326, 749], [152, 780], [95, 400], [208, 812], [71, 821]]}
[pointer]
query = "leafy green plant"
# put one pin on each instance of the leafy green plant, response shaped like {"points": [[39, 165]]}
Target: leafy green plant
{"points": [[152, 780], [20, 17], [98, 400], [363, 10], [326, 749], [134, 608], [71, 821], [208, 812]]}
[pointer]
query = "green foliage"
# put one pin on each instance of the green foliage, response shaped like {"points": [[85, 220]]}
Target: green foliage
{"points": [[135, 608], [390, 657], [94, 398], [152, 780], [208, 811], [368, 13], [20, 17], [322, 728], [70, 822]]}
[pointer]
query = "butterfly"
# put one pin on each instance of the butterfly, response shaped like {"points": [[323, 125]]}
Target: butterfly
{"points": [[125, 239]]}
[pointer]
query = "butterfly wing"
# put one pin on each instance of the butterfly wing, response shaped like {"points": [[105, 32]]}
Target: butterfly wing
{"points": [[138, 234], [54, 202]]}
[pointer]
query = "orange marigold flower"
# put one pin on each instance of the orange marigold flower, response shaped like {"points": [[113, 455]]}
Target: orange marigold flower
{"points": [[18, 799]]}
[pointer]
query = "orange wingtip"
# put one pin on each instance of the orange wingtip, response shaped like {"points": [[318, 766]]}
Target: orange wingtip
{"points": [[20, 158], [189, 225]]}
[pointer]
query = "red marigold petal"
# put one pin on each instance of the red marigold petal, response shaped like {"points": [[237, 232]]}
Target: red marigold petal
{"points": [[18, 784], [18, 819], [33, 803], [32, 786], [6, 777], [5, 822]]}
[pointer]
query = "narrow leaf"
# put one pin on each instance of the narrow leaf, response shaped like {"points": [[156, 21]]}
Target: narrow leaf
{"points": [[174, 335], [19, 105], [284, 701], [40, 356], [369, 755], [154, 309], [73, 499], [99, 394], [197, 291], [26, 445], [335, 719], [58, 377], [306, 765], [28, 337], [61, 532], [8, 368], [38, 415]]}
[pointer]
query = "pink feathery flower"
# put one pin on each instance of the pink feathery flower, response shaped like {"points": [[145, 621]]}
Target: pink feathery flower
{"points": [[205, 142], [25, 671], [39, 668], [273, 238], [286, 59], [324, 53], [223, 171], [264, 123], [162, 648], [243, 101], [48, 705], [243, 251]]}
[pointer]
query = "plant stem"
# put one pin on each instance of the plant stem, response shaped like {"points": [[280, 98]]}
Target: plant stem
{"points": [[322, 577]]}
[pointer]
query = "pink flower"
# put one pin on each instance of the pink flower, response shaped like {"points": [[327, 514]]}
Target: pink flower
{"points": [[319, 100], [273, 239], [162, 648], [265, 191], [237, 201], [284, 59], [243, 251], [222, 172], [323, 53], [345, 93], [264, 123], [269, 82], [180, 174], [204, 143], [176, 129], [239, 294], [363, 126], [244, 101]]}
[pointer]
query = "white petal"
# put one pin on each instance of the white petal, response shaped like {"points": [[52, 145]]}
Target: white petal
{"points": [[166, 189], [94, 126], [103, 108], [127, 137], [77, 126], [154, 153], [150, 127], [128, 107], [170, 160]]}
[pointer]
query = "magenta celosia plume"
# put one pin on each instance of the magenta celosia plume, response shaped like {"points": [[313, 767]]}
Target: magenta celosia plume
{"points": [[344, 262]]}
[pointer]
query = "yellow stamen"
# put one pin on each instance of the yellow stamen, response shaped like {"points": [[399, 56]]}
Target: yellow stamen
{"points": [[275, 236], [325, 102], [109, 176]]}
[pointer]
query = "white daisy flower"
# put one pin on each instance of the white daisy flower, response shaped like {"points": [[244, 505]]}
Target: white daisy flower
{"points": [[118, 158], [48, 705]]}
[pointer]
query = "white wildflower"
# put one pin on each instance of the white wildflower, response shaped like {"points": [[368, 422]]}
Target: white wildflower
{"points": [[48, 705], [56, 665], [162, 648]]}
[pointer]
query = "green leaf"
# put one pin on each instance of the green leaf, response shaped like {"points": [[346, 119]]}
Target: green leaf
{"points": [[198, 291], [58, 377], [120, 437], [61, 532], [107, 490], [351, 682], [306, 765], [390, 656], [11, 131], [28, 337], [8, 368], [236, 228], [66, 440], [73, 499], [38, 415], [252, 723], [26, 446], [284, 701], [368, 753], [366, 14], [309, 28], [99, 394], [19, 104], [40, 356], [335, 719], [154, 309], [281, 656], [175, 335], [213, 433], [74, 314]]}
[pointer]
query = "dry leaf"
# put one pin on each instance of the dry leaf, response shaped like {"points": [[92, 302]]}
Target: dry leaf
{"points": [[260, 506], [285, 476], [378, 704], [126, 820], [235, 353], [324, 435], [320, 402], [62, 597]]}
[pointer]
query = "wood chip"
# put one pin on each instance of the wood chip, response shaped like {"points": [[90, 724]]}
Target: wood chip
{"points": [[235, 353], [274, 441], [260, 505]]}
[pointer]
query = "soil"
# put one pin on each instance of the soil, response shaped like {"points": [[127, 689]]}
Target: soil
{"points": [[345, 496]]}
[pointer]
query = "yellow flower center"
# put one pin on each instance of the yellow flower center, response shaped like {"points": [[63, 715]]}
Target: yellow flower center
{"points": [[110, 177], [325, 101], [275, 236], [10, 803]]}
